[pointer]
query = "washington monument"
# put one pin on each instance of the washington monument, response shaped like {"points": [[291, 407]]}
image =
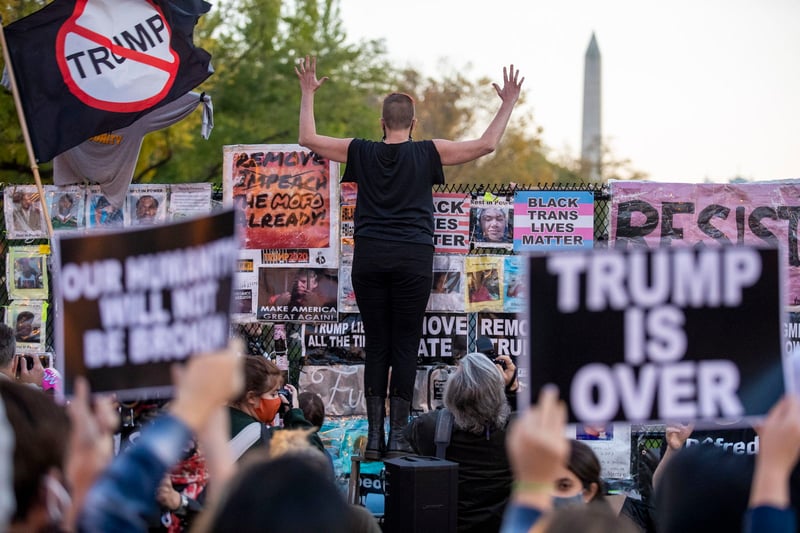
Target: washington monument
{"points": [[591, 142]]}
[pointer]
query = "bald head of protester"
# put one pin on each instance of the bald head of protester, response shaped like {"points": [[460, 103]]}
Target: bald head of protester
{"points": [[40, 429], [475, 394], [398, 112]]}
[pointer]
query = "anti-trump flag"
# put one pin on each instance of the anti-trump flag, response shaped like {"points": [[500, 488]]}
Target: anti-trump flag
{"points": [[86, 67]]}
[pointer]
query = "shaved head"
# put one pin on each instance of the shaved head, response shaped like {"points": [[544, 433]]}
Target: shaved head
{"points": [[398, 111]]}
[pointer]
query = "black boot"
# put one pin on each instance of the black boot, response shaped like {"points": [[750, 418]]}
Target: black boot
{"points": [[376, 417], [399, 411]]}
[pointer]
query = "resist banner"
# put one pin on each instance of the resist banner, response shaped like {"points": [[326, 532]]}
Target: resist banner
{"points": [[132, 303], [670, 214], [669, 334]]}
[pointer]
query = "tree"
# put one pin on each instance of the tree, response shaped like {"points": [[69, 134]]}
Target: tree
{"points": [[254, 45], [454, 107], [14, 163]]}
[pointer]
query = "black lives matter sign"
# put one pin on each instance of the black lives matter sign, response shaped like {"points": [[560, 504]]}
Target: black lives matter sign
{"points": [[133, 303], [666, 334]]}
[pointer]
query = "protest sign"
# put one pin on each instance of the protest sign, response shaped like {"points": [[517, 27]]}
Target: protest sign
{"points": [[187, 200], [484, 283], [26, 272], [297, 294], [65, 205], [451, 218], [23, 212], [666, 334], [648, 214], [338, 342], [348, 192], [513, 289], [134, 302], [507, 331], [28, 319], [444, 337], [553, 220], [491, 221], [286, 198], [245, 285], [447, 292]]}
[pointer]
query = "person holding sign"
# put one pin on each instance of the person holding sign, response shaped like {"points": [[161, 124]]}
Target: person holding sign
{"points": [[393, 236], [124, 493]]}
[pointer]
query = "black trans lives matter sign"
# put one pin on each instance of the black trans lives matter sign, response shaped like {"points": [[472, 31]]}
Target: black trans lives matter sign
{"points": [[659, 335], [135, 302]]}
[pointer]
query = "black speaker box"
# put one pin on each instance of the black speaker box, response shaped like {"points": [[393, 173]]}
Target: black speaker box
{"points": [[421, 495]]}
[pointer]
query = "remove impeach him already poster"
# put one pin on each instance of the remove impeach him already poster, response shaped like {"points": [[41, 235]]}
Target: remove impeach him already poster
{"points": [[134, 302], [672, 334], [285, 198]]}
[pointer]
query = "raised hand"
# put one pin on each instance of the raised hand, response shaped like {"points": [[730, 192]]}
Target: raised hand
{"points": [[306, 70], [512, 85]]}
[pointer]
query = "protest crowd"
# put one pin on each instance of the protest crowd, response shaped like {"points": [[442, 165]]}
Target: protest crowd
{"points": [[230, 443]]}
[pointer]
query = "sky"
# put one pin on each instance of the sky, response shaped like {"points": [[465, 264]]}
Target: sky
{"points": [[692, 90]]}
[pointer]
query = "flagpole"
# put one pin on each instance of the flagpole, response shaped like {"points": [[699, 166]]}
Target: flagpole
{"points": [[25, 134]]}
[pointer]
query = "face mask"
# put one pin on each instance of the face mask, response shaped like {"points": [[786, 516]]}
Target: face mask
{"points": [[267, 409], [561, 501]]}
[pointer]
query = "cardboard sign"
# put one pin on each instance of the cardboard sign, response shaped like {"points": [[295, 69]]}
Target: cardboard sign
{"points": [[669, 334], [132, 303], [286, 198], [682, 214]]}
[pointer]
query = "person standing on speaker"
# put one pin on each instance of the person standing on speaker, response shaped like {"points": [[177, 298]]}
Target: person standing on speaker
{"points": [[393, 255]]}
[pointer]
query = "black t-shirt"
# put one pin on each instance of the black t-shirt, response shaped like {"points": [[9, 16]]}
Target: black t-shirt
{"points": [[395, 196]]}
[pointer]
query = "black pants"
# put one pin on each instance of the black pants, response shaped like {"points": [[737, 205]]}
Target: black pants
{"points": [[392, 282]]}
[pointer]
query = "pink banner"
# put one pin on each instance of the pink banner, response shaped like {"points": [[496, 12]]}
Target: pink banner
{"points": [[669, 214]]}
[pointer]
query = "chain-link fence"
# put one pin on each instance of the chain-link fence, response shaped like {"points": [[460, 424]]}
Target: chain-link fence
{"points": [[258, 336]]}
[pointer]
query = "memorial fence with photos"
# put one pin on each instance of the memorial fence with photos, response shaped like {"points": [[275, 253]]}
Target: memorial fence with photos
{"points": [[259, 335]]}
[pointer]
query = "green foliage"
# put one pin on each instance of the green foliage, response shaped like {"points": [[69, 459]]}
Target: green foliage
{"points": [[255, 45]]}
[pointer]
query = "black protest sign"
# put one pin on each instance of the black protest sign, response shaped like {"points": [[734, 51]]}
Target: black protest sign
{"points": [[507, 331], [132, 303], [335, 342], [444, 337], [666, 334]]}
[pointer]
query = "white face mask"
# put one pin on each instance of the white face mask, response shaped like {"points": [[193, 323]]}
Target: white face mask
{"points": [[57, 499]]}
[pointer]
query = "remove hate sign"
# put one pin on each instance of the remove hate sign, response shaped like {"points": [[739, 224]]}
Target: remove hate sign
{"points": [[658, 335], [133, 303]]}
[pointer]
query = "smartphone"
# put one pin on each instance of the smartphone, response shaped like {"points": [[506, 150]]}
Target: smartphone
{"points": [[44, 358]]}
